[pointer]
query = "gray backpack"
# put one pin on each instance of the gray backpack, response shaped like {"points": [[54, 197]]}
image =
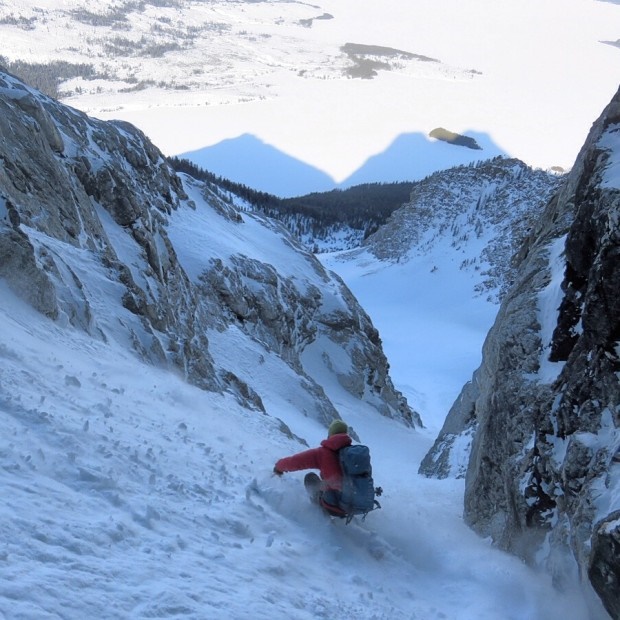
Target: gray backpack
{"points": [[358, 488]]}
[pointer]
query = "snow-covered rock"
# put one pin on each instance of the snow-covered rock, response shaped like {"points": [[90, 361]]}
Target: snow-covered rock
{"points": [[485, 210], [99, 233], [544, 475]]}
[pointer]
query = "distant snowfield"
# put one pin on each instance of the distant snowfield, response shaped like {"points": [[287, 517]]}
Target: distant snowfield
{"points": [[531, 76], [526, 78]]}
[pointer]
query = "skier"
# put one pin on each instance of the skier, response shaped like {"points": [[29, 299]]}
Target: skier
{"points": [[325, 490]]}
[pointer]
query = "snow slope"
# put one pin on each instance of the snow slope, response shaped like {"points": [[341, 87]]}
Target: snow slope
{"points": [[432, 341], [526, 78], [130, 494]]}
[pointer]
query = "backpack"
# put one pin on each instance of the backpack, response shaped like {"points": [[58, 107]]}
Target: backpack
{"points": [[358, 489]]}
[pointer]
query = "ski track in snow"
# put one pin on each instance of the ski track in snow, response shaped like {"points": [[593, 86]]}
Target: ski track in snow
{"points": [[130, 494]]}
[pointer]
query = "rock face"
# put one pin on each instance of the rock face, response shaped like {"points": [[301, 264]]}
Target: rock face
{"points": [[544, 407], [86, 220]]}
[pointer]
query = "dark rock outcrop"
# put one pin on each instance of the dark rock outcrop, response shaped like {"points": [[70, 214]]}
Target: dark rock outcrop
{"points": [[544, 471]]}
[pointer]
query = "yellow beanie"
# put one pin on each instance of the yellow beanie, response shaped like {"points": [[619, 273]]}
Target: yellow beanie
{"points": [[336, 427]]}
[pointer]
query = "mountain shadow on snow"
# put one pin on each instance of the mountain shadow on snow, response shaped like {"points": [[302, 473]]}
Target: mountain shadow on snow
{"points": [[411, 156], [248, 160], [414, 156]]}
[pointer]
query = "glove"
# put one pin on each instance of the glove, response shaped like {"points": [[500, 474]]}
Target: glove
{"points": [[277, 472]]}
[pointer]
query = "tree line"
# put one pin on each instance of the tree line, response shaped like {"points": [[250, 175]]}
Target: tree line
{"points": [[362, 207], [47, 77]]}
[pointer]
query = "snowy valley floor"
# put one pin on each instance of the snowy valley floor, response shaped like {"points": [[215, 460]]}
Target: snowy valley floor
{"points": [[129, 494]]}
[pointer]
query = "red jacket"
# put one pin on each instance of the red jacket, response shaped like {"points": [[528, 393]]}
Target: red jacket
{"points": [[325, 459]]}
